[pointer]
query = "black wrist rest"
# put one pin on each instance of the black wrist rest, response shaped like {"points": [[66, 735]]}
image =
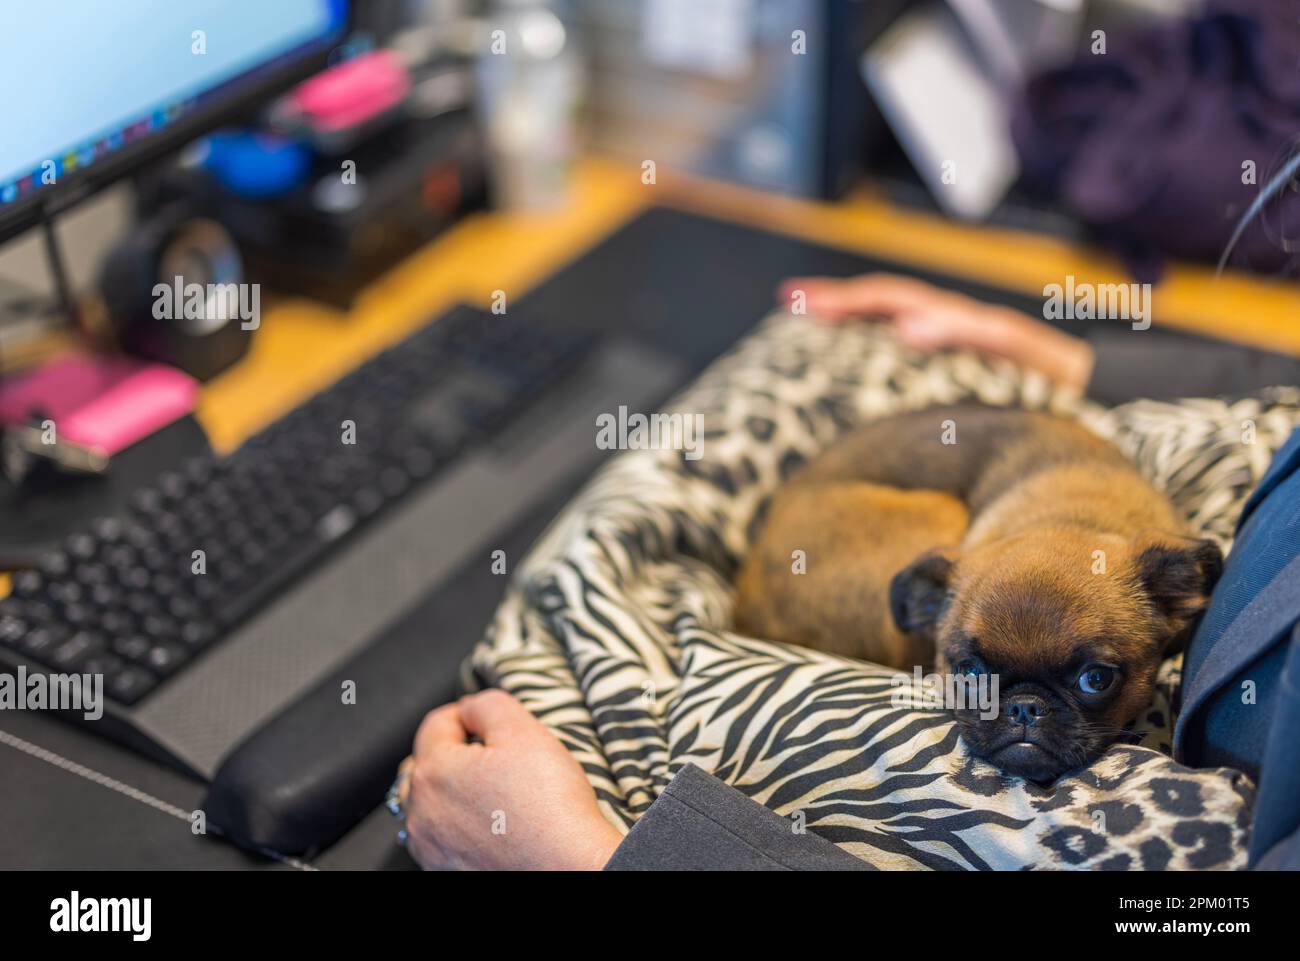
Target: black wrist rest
{"points": [[320, 766]]}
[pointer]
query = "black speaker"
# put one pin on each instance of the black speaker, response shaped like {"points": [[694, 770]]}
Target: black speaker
{"points": [[175, 291]]}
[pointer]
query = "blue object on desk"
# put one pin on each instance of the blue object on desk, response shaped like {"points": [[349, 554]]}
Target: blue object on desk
{"points": [[256, 164]]}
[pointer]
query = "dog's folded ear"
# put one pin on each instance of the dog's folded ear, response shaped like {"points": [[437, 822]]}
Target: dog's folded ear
{"points": [[917, 594], [1179, 574]]}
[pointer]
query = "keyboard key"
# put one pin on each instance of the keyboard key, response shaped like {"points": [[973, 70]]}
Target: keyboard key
{"points": [[28, 584], [67, 592], [196, 634], [121, 557], [419, 461], [134, 580], [92, 574], [393, 482], [172, 485], [82, 547], [12, 629], [109, 530], [159, 627], [163, 659], [116, 623], [105, 595], [142, 604], [135, 646], [55, 565], [251, 554], [36, 612], [140, 536], [164, 586], [41, 642], [147, 501], [182, 608], [129, 685], [80, 615], [367, 501], [82, 645], [336, 523], [105, 664], [207, 588]]}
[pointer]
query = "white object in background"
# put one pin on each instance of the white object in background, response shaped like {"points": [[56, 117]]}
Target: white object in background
{"points": [[950, 119], [531, 91], [713, 37], [1016, 38]]}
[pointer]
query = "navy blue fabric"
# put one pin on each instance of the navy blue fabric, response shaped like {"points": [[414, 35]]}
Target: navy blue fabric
{"points": [[1249, 634], [1275, 841]]}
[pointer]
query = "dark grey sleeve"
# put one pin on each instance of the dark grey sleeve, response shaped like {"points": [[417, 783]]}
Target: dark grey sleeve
{"points": [[1132, 363], [701, 824]]}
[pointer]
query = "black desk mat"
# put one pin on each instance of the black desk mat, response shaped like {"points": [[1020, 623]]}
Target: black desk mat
{"points": [[690, 285]]}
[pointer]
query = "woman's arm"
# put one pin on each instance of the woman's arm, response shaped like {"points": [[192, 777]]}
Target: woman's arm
{"points": [[489, 787], [700, 824], [1111, 366], [929, 318]]}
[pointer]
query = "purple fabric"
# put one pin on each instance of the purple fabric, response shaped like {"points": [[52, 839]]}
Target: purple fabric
{"points": [[1145, 144]]}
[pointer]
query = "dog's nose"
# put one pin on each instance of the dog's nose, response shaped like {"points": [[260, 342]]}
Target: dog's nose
{"points": [[1027, 709]]}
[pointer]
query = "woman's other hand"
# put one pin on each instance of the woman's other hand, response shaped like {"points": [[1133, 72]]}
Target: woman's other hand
{"points": [[929, 318]]}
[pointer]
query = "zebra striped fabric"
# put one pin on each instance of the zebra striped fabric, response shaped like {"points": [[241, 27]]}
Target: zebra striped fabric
{"points": [[616, 630]]}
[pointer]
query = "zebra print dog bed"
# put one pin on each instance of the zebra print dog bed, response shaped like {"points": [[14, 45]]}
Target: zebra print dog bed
{"points": [[616, 629]]}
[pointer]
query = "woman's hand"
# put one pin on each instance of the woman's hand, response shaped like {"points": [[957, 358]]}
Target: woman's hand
{"points": [[928, 319], [489, 787]]}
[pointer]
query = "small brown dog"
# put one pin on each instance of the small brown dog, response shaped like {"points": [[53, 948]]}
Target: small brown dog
{"points": [[986, 542]]}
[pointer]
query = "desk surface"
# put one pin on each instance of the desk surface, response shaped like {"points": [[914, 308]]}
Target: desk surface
{"points": [[303, 346]]}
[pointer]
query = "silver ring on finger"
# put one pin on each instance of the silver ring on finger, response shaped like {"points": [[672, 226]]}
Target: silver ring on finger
{"points": [[393, 800]]}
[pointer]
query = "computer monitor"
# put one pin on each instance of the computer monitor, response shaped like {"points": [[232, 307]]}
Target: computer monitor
{"points": [[94, 89]]}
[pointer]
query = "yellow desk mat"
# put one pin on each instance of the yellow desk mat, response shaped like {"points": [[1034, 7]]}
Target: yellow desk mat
{"points": [[303, 346]]}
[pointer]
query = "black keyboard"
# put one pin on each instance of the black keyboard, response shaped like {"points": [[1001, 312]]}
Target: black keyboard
{"points": [[140, 596]]}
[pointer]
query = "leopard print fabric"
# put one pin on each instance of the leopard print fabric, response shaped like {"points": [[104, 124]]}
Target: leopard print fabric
{"points": [[616, 631]]}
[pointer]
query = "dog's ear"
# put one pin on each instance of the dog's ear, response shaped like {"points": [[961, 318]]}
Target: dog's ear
{"points": [[917, 594], [1179, 574]]}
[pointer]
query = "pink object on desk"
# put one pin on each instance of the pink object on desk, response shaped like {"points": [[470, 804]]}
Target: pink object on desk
{"points": [[106, 404], [353, 91]]}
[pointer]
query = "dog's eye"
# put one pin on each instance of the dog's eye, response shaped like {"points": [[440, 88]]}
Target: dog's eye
{"points": [[972, 666], [1095, 679]]}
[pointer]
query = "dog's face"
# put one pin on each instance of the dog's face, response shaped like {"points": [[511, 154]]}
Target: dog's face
{"points": [[1072, 625]]}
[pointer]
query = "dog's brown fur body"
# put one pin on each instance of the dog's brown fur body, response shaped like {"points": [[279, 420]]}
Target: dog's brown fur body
{"points": [[1029, 547]]}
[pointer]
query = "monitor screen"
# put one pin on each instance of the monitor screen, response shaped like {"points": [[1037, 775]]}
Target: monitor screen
{"points": [[91, 84]]}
